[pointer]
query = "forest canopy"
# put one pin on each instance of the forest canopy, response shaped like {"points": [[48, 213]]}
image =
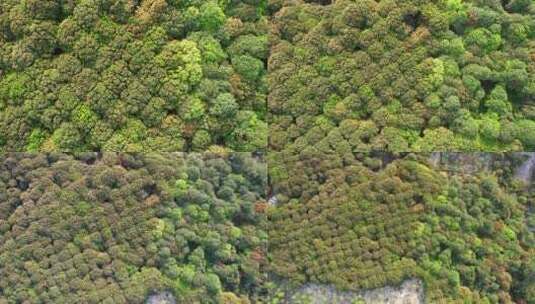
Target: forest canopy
{"points": [[375, 219], [314, 119], [122, 75], [114, 228], [403, 75], [167, 75]]}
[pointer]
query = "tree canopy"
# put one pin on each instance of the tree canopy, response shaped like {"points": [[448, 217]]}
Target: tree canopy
{"points": [[403, 75], [213, 150], [138, 76], [375, 219], [113, 228]]}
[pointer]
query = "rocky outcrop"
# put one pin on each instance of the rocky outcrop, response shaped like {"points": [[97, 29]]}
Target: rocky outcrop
{"points": [[462, 163], [526, 170], [165, 297], [273, 201], [409, 292]]}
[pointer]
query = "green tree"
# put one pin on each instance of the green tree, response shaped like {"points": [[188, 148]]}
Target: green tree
{"points": [[211, 16], [225, 106]]}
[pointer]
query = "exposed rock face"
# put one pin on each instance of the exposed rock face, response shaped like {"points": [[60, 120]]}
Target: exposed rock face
{"points": [[273, 201], [526, 170], [165, 297], [464, 163], [435, 158], [410, 292]]}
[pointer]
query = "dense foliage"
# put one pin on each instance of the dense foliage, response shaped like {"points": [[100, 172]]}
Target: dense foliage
{"points": [[113, 228], [130, 75], [335, 79], [370, 220], [403, 75]]}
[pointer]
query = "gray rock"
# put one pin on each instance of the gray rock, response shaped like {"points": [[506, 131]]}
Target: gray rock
{"points": [[164, 297], [526, 170], [409, 292]]}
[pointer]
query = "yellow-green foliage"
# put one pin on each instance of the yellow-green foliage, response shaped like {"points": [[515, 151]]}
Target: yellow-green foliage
{"points": [[81, 71]]}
